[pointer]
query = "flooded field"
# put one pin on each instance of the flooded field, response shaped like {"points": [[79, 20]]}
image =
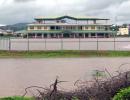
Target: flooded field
{"points": [[66, 44], [17, 74]]}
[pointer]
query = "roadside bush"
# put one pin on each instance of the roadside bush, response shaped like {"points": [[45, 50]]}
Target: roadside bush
{"points": [[123, 94]]}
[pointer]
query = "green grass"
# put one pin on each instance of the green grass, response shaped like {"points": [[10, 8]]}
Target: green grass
{"points": [[16, 98], [62, 54], [123, 94]]}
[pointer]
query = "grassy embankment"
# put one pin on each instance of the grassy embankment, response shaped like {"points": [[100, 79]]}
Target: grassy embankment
{"points": [[16, 98], [62, 54]]}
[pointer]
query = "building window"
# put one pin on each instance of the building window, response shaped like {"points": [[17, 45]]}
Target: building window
{"points": [[93, 27], [94, 22], [106, 28], [98, 28], [58, 21], [45, 27], [73, 27], [31, 27], [52, 27], [102, 28], [39, 27], [58, 27], [80, 27], [86, 27], [63, 21]]}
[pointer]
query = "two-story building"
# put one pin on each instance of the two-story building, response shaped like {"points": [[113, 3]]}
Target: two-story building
{"points": [[68, 27]]}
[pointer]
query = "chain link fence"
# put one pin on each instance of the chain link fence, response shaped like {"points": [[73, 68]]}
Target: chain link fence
{"points": [[26, 44]]}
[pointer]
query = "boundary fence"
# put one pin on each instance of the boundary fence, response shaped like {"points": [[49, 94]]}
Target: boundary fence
{"points": [[27, 44]]}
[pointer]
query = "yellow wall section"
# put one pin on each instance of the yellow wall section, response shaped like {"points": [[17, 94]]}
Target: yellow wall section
{"points": [[89, 28], [36, 28]]}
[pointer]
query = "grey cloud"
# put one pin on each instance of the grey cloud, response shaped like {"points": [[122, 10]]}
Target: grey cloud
{"points": [[25, 12], [23, 1], [101, 4]]}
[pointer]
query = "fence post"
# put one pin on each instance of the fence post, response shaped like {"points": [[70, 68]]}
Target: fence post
{"points": [[45, 44], [79, 43], [62, 42], [114, 42], [27, 42], [97, 43], [9, 43]]}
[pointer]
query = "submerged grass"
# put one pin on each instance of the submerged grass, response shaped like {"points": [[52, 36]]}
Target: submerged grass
{"points": [[62, 54]]}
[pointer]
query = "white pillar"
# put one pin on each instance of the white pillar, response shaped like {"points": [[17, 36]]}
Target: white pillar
{"points": [[58, 35], [89, 35], [42, 35], [104, 35], [62, 35], [35, 35], [55, 35], [22, 35], [96, 35], [74, 35], [48, 35], [84, 35]]}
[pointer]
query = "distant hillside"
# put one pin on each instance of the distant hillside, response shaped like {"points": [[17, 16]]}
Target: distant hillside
{"points": [[15, 27]]}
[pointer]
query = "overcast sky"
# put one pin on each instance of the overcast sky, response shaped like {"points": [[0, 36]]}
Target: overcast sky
{"points": [[15, 11]]}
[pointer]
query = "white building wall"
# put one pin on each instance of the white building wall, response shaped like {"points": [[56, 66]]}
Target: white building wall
{"points": [[123, 31]]}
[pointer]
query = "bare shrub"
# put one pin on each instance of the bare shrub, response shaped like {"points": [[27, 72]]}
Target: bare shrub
{"points": [[97, 89]]}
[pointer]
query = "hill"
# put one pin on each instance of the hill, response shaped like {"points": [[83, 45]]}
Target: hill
{"points": [[15, 27]]}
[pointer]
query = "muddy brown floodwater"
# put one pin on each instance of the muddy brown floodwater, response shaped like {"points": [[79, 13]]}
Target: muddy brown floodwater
{"points": [[17, 74]]}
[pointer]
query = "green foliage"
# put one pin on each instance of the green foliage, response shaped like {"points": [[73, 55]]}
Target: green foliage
{"points": [[16, 98], [123, 94], [74, 98]]}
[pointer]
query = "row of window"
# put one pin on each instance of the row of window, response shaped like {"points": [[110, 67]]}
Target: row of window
{"points": [[97, 27], [68, 27], [71, 21], [38, 27]]}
